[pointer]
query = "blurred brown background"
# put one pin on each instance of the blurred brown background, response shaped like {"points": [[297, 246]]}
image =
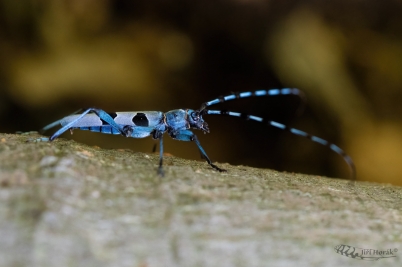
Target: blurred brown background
{"points": [[123, 55]]}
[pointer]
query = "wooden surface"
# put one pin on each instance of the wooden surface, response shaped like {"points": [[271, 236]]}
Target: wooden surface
{"points": [[68, 204]]}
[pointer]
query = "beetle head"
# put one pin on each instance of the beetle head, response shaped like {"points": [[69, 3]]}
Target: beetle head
{"points": [[196, 121]]}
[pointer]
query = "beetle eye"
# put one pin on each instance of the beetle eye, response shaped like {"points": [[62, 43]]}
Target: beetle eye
{"points": [[195, 116]]}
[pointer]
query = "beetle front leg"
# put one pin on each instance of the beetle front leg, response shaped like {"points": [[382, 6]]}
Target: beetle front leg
{"points": [[187, 135]]}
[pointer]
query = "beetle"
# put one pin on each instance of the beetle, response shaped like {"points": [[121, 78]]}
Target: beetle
{"points": [[177, 123]]}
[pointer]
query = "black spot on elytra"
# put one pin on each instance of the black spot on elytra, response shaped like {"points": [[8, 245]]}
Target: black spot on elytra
{"points": [[113, 114], [140, 120]]}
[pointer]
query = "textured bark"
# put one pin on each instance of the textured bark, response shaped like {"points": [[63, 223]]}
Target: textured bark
{"points": [[67, 204]]}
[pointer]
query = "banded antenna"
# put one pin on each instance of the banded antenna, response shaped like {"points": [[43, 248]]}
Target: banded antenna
{"points": [[270, 92], [275, 92], [294, 131]]}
